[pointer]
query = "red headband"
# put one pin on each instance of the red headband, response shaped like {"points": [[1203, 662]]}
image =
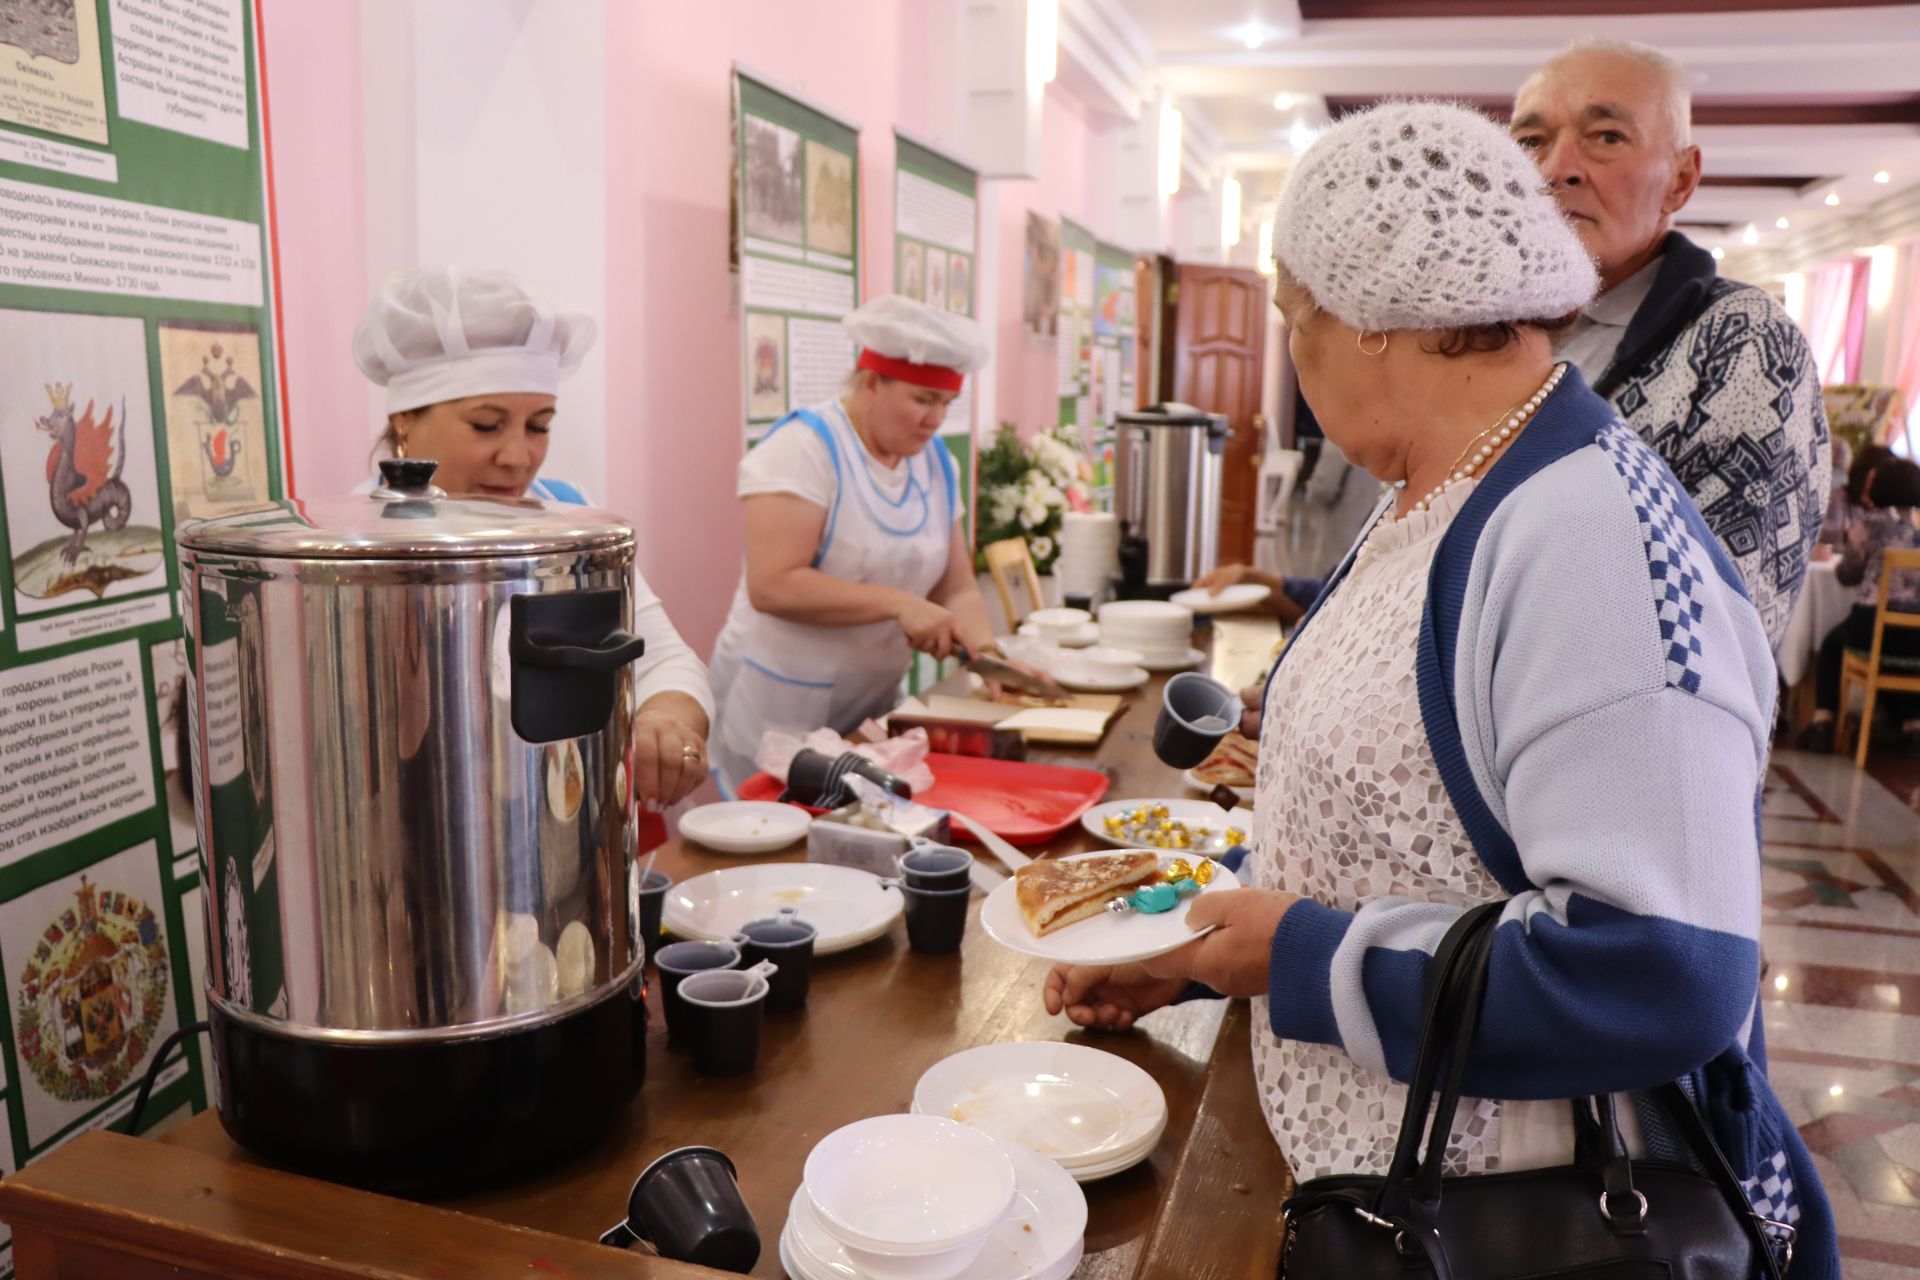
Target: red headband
{"points": [[936, 376]]}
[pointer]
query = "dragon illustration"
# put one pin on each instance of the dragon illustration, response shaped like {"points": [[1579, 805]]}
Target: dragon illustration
{"points": [[83, 469]]}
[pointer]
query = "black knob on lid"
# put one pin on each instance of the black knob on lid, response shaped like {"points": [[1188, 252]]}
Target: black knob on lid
{"points": [[407, 475]]}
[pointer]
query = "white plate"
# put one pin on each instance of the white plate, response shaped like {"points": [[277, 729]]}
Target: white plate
{"points": [[745, 826], [1195, 813], [1077, 1106], [1072, 679], [1106, 938], [1041, 1237], [1245, 793], [846, 905], [1241, 595], [1193, 659], [1087, 634]]}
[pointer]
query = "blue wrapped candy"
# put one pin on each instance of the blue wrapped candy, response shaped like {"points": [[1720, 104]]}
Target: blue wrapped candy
{"points": [[1154, 899]]}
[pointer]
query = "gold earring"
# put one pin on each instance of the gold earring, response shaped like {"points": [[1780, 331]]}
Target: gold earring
{"points": [[399, 446], [1360, 341]]}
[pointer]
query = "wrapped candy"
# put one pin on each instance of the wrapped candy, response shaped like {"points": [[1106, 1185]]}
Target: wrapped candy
{"points": [[1155, 899]]}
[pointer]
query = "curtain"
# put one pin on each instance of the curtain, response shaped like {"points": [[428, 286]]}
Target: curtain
{"points": [[1828, 308], [1856, 325], [1903, 334]]}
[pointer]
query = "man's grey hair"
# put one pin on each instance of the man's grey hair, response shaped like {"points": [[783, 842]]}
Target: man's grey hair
{"points": [[1679, 85]]}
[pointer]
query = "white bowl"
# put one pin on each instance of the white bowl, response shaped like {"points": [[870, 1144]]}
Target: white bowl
{"points": [[1052, 623], [873, 1265], [1106, 663], [909, 1186]]}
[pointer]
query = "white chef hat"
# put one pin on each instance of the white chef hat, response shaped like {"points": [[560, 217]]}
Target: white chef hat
{"points": [[913, 342], [443, 333]]}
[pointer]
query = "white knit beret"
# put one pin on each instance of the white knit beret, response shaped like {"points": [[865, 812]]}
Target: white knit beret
{"points": [[1425, 215]]}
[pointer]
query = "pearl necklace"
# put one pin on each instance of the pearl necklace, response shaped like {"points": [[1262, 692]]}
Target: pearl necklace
{"points": [[1502, 430]]}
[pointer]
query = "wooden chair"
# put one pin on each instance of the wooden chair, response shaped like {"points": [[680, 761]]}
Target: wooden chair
{"points": [[1875, 669], [1003, 559]]}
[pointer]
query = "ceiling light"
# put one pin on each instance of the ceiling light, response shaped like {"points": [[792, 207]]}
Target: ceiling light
{"points": [[1043, 41], [1751, 235], [1299, 137], [1169, 148], [1883, 177], [1782, 223], [1835, 1090], [1833, 198], [1718, 253], [1230, 212], [1284, 101], [1253, 35]]}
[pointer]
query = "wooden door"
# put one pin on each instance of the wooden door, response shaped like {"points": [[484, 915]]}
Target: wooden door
{"points": [[1146, 312], [1219, 351]]}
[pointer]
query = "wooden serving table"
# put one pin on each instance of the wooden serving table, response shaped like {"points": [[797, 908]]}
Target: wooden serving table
{"points": [[1204, 1206]]}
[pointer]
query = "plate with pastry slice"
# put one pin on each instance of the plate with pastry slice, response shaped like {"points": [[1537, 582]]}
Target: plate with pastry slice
{"points": [[1231, 764], [1056, 908]]}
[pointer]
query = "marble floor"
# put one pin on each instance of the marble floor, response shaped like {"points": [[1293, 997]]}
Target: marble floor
{"points": [[1842, 991]]}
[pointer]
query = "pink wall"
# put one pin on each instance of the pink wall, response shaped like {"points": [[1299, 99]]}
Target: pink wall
{"points": [[673, 346], [1028, 376], [313, 83]]}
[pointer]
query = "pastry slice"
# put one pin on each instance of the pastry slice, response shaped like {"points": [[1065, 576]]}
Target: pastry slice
{"points": [[1054, 894], [1232, 763]]}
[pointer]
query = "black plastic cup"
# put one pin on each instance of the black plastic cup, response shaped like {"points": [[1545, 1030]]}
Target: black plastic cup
{"points": [[815, 778], [678, 961], [786, 940], [1196, 712], [936, 866], [936, 918], [687, 1204], [724, 1009], [653, 896]]}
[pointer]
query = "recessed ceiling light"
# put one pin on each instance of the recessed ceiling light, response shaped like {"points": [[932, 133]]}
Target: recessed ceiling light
{"points": [[1718, 253], [1883, 177], [1833, 198], [1253, 35], [1751, 235], [1782, 223], [1299, 137], [1284, 101]]}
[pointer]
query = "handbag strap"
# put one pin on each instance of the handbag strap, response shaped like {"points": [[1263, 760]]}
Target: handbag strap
{"points": [[1456, 955], [1700, 1138]]}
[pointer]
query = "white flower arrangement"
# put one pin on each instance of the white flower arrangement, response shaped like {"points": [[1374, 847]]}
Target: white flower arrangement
{"points": [[1026, 487]]}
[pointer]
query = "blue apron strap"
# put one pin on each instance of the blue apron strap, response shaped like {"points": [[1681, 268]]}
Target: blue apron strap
{"points": [[948, 471], [560, 491], [821, 429]]}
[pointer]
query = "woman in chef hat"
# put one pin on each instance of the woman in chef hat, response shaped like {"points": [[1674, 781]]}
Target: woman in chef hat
{"points": [[472, 364], [856, 546]]}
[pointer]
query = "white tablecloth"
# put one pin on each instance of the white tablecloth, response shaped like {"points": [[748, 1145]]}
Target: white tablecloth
{"points": [[1823, 605]]}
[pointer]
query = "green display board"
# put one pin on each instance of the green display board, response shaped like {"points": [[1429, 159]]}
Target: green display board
{"points": [[1076, 321], [139, 387], [1112, 359], [796, 249]]}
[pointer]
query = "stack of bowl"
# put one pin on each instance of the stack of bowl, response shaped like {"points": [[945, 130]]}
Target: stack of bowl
{"points": [[1089, 552], [911, 1197]]}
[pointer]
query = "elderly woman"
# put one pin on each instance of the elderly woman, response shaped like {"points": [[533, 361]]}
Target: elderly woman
{"points": [[471, 362], [1535, 679]]}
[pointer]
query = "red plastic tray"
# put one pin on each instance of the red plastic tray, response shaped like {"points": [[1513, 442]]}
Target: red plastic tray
{"points": [[1023, 804]]}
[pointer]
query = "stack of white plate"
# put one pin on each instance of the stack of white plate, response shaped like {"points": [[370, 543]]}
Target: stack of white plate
{"points": [[1092, 1113], [1159, 632], [1089, 552], [910, 1197]]}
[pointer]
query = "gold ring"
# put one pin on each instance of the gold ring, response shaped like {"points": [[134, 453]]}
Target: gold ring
{"points": [[689, 752]]}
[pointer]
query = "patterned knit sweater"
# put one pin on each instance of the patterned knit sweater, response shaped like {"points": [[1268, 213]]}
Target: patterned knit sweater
{"points": [[1714, 375], [1597, 693]]}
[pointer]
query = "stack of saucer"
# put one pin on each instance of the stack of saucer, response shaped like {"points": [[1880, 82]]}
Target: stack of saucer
{"points": [[1159, 632], [1091, 1112], [910, 1197], [1089, 552]]}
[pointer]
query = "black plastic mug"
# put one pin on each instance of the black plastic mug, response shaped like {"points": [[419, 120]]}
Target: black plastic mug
{"points": [[1196, 712], [679, 961], [814, 778], [687, 1204], [724, 1010], [653, 896], [936, 918], [936, 866], [787, 941]]}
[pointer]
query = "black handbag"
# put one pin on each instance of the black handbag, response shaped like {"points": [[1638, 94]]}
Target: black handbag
{"points": [[1603, 1217]]}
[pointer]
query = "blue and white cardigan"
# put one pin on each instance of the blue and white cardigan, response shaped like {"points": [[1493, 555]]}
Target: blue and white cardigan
{"points": [[1597, 690]]}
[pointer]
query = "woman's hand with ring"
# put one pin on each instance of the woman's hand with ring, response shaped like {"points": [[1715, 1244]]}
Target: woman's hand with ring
{"points": [[669, 749]]}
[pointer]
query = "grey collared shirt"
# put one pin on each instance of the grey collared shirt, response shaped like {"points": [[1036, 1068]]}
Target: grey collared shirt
{"points": [[1592, 340]]}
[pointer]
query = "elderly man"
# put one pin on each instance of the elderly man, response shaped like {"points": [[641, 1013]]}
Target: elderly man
{"points": [[1709, 371]]}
